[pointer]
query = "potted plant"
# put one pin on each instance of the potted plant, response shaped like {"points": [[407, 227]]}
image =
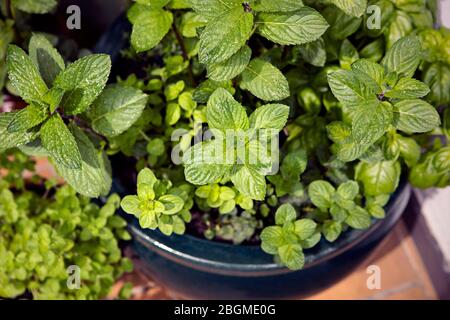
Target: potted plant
{"points": [[262, 149]]}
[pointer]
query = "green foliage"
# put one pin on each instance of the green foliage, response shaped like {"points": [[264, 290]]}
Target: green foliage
{"points": [[210, 161], [43, 234], [158, 204], [55, 96], [287, 239]]}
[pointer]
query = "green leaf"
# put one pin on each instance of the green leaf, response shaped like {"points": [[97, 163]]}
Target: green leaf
{"points": [[400, 26], [403, 58], [94, 177], [371, 122], [191, 21], [130, 204], [298, 27], [60, 143], [314, 52], [211, 9], [232, 67], [147, 219], [35, 6], [342, 25], [378, 177], [278, 6], [83, 81], [223, 112], [358, 218], [24, 76], [311, 241], [173, 114], [173, 204], [409, 150], [10, 140], [304, 228], [206, 89], [338, 131], [285, 213], [200, 174], [265, 81], [46, 58], [349, 89], [116, 109], [415, 116], [146, 176], [437, 76], [294, 164], [348, 190], [408, 89], [292, 256], [28, 117], [321, 194], [355, 8], [250, 182], [331, 230], [157, 20], [271, 239], [233, 28], [270, 116], [347, 54]]}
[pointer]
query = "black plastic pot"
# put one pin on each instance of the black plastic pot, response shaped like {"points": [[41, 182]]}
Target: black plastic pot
{"points": [[198, 268]]}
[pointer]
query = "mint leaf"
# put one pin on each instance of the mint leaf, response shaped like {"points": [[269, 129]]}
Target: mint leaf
{"points": [[331, 230], [233, 28], [46, 58], [223, 112], [371, 122], [24, 76], [60, 143], [285, 213], [157, 20], [321, 193], [349, 89], [314, 52], [211, 9], [304, 228], [370, 68], [35, 6], [437, 77], [358, 218], [270, 116], [292, 256], [294, 164], [415, 116], [28, 117], [202, 173], [172, 204], [403, 58], [378, 177], [298, 27], [116, 109], [232, 67], [355, 8], [10, 140], [408, 89], [278, 6], [265, 81], [83, 81], [271, 239], [250, 182], [93, 178]]}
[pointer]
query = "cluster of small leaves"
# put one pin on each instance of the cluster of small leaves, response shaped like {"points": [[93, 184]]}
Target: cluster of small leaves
{"points": [[158, 204], [41, 237], [32, 6], [222, 197], [287, 239], [55, 93]]}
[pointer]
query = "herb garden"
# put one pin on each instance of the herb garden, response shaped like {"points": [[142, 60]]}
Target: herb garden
{"points": [[281, 126]]}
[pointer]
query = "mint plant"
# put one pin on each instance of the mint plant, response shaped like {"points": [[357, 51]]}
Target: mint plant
{"points": [[56, 95], [157, 204], [210, 161], [287, 239]]}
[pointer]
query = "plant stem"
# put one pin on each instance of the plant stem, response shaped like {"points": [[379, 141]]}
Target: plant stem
{"points": [[146, 138], [184, 52], [8, 9]]}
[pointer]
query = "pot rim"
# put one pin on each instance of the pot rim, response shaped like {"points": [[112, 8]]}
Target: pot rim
{"points": [[251, 260]]}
